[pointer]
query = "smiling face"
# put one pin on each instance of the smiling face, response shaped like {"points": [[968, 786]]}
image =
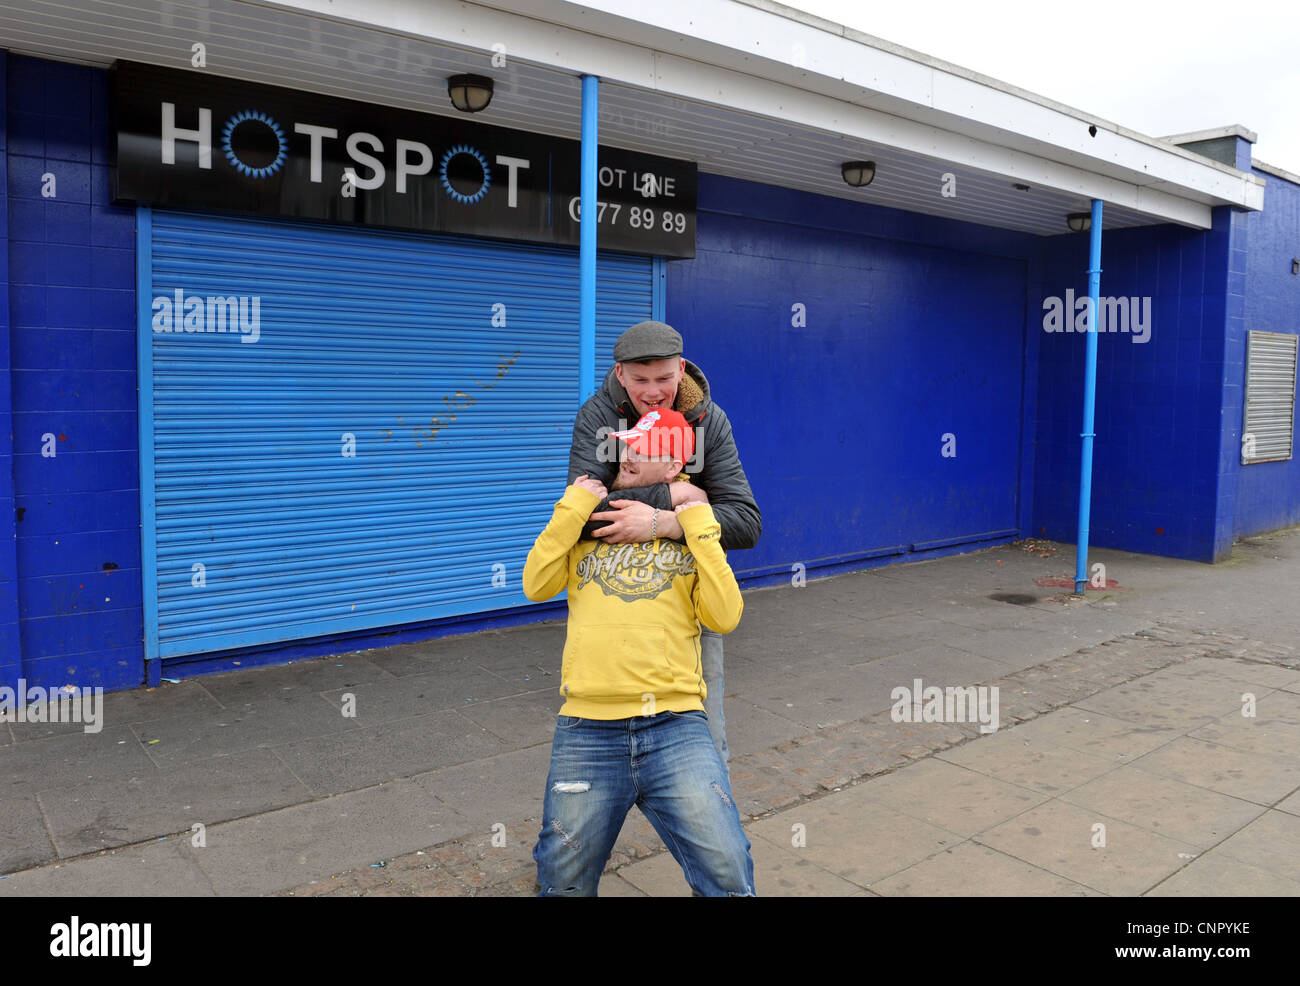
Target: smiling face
{"points": [[653, 384], [636, 470]]}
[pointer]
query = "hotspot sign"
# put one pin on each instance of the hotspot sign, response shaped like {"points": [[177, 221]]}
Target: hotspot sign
{"points": [[194, 140]]}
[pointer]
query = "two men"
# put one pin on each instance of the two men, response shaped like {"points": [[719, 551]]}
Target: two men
{"points": [[632, 729], [649, 373]]}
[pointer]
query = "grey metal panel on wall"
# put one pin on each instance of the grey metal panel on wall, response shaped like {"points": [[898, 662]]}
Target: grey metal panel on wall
{"points": [[1269, 428], [376, 439]]}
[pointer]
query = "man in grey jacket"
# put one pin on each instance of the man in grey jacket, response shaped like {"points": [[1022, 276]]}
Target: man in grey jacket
{"points": [[649, 372]]}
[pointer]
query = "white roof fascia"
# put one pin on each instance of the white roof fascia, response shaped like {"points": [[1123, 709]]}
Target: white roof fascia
{"points": [[856, 86], [1276, 171], [870, 125]]}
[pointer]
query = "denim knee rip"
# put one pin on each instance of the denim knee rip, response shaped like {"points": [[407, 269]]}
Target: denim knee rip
{"points": [[569, 841]]}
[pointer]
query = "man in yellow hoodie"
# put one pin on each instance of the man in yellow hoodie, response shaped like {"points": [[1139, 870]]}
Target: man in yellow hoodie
{"points": [[632, 730]]}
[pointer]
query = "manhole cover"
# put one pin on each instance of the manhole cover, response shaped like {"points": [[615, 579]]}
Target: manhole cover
{"points": [[1014, 598]]}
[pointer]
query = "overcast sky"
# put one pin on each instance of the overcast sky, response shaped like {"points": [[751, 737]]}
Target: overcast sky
{"points": [[1156, 67]]}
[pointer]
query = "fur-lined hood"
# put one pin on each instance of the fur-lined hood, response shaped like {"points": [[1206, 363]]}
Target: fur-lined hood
{"points": [[692, 402]]}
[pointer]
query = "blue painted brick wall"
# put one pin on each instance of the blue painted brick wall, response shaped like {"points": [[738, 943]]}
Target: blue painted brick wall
{"points": [[1268, 494], [1156, 454], [1233, 379], [914, 328], [71, 264], [10, 651]]}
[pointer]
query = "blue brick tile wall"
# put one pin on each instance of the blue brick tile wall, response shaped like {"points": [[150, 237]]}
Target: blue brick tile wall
{"points": [[1233, 380], [911, 328], [1268, 493], [10, 648], [1156, 453], [75, 465]]}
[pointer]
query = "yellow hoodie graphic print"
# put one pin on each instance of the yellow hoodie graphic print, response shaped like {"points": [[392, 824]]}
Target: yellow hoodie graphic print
{"points": [[633, 571], [633, 641]]}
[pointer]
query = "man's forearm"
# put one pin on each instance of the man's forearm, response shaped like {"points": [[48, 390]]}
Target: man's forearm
{"points": [[740, 521], [657, 496]]}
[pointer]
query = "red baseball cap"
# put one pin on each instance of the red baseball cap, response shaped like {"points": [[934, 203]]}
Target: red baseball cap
{"points": [[662, 431]]}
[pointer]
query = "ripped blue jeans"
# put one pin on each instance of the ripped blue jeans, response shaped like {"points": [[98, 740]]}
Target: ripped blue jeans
{"points": [[668, 766]]}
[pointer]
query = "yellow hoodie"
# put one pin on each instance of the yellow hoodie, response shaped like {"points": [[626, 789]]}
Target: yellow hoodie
{"points": [[633, 642]]}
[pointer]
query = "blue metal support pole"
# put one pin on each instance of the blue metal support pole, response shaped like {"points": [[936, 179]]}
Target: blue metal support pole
{"points": [[1089, 399], [587, 242]]}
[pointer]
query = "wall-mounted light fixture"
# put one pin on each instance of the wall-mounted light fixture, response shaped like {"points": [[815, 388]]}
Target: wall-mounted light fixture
{"points": [[470, 93], [1079, 222], [1295, 266], [858, 174]]}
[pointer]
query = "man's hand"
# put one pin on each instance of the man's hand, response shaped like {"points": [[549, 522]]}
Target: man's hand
{"points": [[631, 522], [592, 486], [684, 493]]}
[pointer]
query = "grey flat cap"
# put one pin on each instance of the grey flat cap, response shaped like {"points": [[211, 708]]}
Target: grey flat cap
{"points": [[647, 341]]}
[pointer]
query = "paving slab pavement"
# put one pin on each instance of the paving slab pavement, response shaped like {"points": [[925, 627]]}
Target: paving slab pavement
{"points": [[1022, 813], [1122, 710]]}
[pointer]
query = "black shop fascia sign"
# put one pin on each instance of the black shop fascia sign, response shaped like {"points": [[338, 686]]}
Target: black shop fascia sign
{"points": [[192, 140]]}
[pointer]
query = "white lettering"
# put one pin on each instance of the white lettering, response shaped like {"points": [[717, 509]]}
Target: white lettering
{"points": [[315, 134], [104, 940], [171, 133], [513, 164], [405, 168], [355, 141]]}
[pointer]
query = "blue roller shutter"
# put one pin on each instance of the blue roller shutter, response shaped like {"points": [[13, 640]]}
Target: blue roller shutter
{"points": [[384, 433]]}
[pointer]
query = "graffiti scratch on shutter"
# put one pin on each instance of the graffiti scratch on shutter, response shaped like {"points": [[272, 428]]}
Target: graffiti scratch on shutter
{"points": [[460, 401]]}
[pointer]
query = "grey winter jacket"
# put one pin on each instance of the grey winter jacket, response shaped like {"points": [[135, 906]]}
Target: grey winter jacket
{"points": [[715, 467]]}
